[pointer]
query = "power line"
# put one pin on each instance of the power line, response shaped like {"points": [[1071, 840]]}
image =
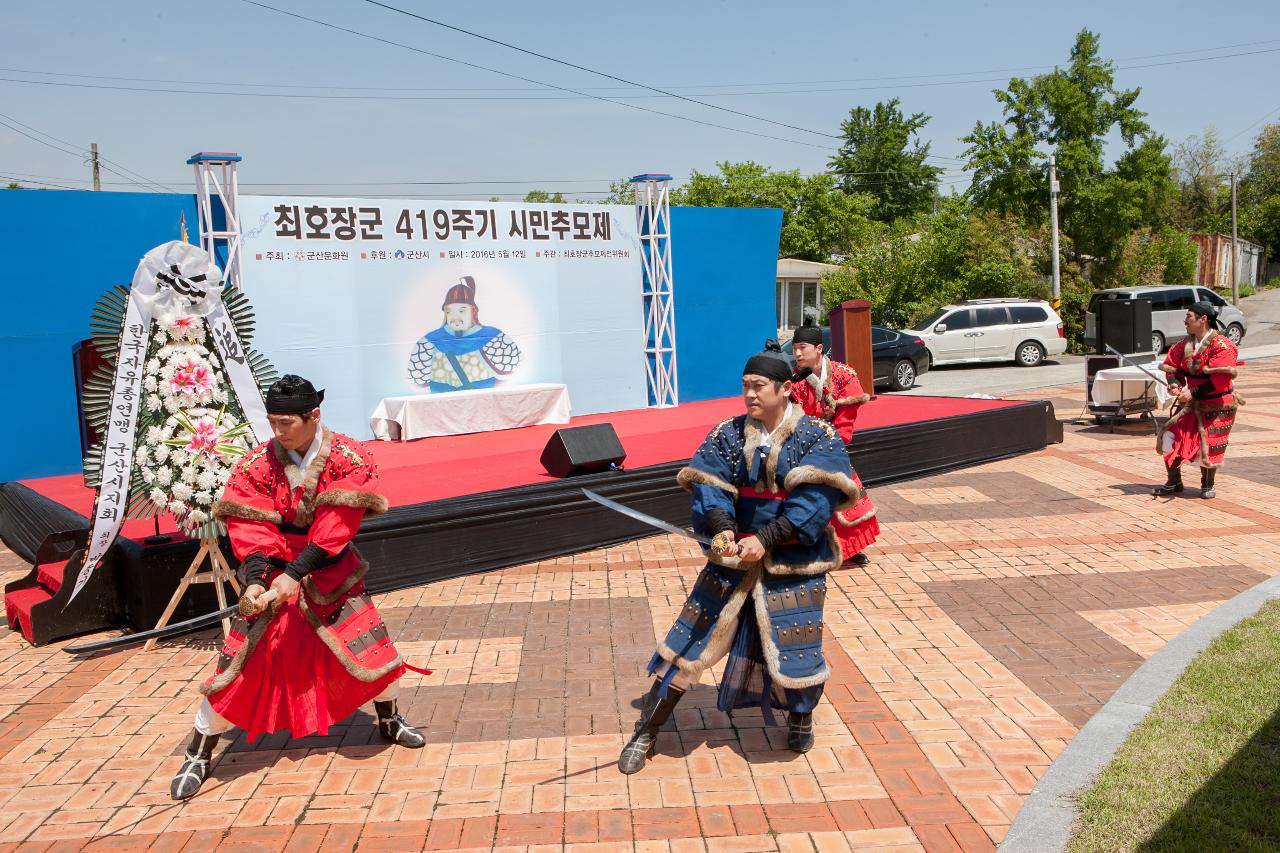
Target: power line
{"points": [[1265, 116], [41, 183], [334, 87], [604, 74], [106, 164], [525, 79], [615, 89]]}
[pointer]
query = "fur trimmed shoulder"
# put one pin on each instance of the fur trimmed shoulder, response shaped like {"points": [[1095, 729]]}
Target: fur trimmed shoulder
{"points": [[351, 478], [843, 483], [689, 475], [371, 502], [1229, 370], [225, 509]]}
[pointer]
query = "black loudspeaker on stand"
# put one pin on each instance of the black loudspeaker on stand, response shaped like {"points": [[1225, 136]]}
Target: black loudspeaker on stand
{"points": [[1124, 324], [583, 450]]}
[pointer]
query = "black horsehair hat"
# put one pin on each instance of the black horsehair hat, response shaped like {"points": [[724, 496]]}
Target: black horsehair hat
{"points": [[1207, 310], [770, 363], [808, 334], [292, 395]]}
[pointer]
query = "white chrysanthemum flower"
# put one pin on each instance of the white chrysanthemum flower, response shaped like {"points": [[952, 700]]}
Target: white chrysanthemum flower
{"points": [[149, 383], [189, 474], [148, 476], [177, 507], [179, 457], [204, 498], [164, 476], [181, 491], [161, 452], [154, 435], [198, 516], [157, 497], [206, 479], [140, 456], [153, 365], [153, 403]]}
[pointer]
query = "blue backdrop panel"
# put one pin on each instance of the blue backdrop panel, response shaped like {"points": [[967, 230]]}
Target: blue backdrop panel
{"points": [[58, 252], [724, 271]]}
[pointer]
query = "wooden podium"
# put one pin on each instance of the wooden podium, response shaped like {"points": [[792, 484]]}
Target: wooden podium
{"points": [[850, 323]]}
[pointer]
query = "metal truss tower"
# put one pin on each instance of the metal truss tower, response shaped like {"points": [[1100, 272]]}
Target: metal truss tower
{"points": [[219, 224], [653, 212]]}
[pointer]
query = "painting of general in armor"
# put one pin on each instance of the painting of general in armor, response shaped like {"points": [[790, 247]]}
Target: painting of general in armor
{"points": [[462, 354]]}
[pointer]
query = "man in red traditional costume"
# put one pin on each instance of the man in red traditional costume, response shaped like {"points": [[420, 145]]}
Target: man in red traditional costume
{"points": [[1202, 370], [319, 651], [832, 392]]}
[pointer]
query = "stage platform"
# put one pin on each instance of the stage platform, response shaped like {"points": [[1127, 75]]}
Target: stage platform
{"points": [[473, 503]]}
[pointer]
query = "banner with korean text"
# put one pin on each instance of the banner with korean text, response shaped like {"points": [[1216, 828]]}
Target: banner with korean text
{"points": [[373, 298]]}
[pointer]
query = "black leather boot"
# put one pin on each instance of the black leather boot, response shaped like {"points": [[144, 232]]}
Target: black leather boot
{"points": [[653, 713], [859, 559], [195, 768], [1207, 491], [1173, 484], [394, 728], [799, 732]]}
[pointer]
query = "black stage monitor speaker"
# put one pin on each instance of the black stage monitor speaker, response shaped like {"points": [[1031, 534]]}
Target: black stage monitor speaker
{"points": [[1124, 324], [582, 450]]}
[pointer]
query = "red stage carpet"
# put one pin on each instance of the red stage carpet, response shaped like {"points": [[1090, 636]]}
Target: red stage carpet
{"points": [[434, 468]]}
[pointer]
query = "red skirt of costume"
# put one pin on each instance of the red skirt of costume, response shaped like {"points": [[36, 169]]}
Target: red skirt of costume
{"points": [[1199, 433], [856, 527], [312, 663]]}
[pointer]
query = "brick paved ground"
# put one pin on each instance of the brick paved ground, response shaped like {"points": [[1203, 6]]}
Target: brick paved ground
{"points": [[1004, 604]]}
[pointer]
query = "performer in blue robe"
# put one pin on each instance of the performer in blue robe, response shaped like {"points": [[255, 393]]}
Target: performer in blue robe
{"points": [[764, 487]]}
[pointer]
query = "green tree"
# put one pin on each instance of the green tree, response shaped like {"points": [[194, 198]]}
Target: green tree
{"points": [[1164, 255], [819, 220], [14, 186], [1073, 111], [1204, 196], [543, 197], [620, 192], [882, 156], [949, 256], [1258, 195]]}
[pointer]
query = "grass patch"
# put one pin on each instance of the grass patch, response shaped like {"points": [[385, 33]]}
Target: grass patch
{"points": [[1202, 771]]}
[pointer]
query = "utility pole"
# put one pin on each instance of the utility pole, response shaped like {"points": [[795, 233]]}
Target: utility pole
{"points": [[97, 182], [1235, 282], [1053, 227]]}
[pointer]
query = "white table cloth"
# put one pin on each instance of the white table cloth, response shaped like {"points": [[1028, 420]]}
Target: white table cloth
{"points": [[1129, 385], [460, 412]]}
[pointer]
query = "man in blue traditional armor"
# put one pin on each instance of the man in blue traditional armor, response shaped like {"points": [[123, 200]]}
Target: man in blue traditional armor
{"points": [[462, 354], [764, 487]]}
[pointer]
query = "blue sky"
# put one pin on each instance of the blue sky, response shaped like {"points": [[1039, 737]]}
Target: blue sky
{"points": [[943, 58]]}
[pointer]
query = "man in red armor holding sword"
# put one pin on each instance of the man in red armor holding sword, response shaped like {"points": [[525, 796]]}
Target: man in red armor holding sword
{"points": [[318, 650]]}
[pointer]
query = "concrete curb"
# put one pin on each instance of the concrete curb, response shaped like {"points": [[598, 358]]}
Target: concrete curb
{"points": [[1045, 821]]}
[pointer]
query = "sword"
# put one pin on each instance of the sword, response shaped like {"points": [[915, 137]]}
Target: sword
{"points": [[646, 519], [1133, 363], [167, 630]]}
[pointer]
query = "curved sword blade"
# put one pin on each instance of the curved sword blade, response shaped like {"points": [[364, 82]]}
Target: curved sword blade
{"points": [[639, 516], [159, 633]]}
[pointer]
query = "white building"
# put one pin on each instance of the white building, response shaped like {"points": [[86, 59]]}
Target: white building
{"points": [[798, 291]]}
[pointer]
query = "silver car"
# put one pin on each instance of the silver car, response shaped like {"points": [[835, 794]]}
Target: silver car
{"points": [[1169, 304]]}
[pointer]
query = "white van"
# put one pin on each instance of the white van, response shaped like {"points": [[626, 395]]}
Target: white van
{"points": [[1169, 304], [1023, 330]]}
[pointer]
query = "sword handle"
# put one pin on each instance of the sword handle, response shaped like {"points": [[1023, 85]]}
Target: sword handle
{"points": [[246, 607]]}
